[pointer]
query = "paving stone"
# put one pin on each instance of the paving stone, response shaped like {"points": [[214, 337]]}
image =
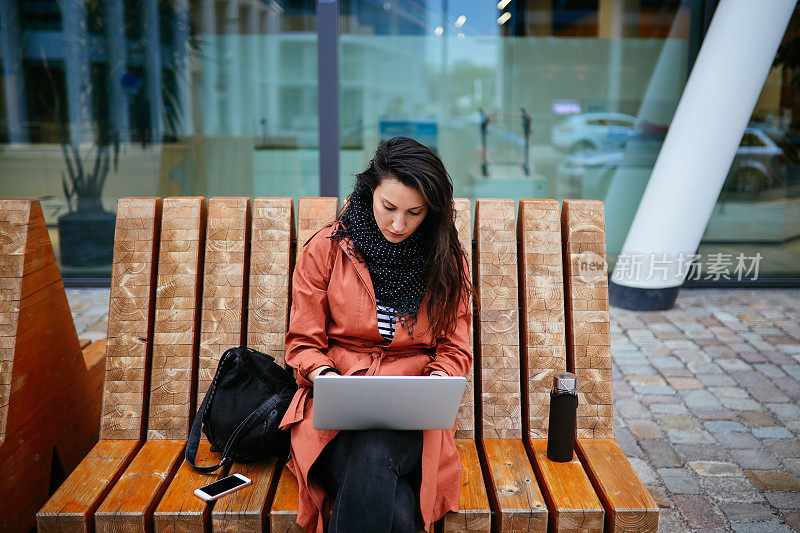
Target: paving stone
{"points": [[631, 408], [730, 489], [712, 452], [699, 512], [759, 459], [783, 500], [660, 497], [715, 468], [680, 482], [770, 370], [713, 414], [667, 408], [752, 357], [747, 512], [711, 380], [649, 400], [645, 429], [741, 404], [784, 411], [728, 392], [697, 436], [757, 418], [792, 519], [677, 422], [773, 481], [783, 448], [643, 470], [724, 426], [771, 526], [680, 383], [793, 464], [654, 389], [703, 367], [750, 377], [670, 521], [661, 453], [699, 398], [768, 392], [772, 432], [627, 443], [792, 370], [680, 371], [740, 441], [666, 362], [778, 357], [790, 386]]}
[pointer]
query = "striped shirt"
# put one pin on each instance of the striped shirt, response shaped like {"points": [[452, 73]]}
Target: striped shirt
{"points": [[387, 317]]}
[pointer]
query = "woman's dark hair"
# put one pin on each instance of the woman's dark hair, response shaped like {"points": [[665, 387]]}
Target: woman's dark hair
{"points": [[416, 166]]}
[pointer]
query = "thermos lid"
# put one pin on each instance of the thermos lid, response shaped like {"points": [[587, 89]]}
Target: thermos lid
{"points": [[565, 382]]}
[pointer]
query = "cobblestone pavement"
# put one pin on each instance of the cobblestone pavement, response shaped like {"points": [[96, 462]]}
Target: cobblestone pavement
{"points": [[707, 402]]}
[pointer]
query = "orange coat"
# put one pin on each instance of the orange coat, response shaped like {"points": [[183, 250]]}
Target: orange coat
{"points": [[334, 322]]}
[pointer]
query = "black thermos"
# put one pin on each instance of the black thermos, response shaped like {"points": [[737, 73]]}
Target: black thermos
{"points": [[563, 409]]}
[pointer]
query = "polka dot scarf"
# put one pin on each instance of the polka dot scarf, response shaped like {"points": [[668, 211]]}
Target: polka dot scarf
{"points": [[395, 268]]}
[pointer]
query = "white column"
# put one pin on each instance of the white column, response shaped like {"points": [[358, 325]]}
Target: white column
{"points": [[76, 62], [152, 69], [116, 43], [180, 63], [703, 137], [658, 105], [13, 84]]}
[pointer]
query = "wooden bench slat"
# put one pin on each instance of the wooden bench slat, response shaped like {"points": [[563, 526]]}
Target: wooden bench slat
{"points": [[130, 503], [588, 315], [571, 499], [270, 262], [179, 509], [542, 294], [466, 414], [475, 514], [245, 510], [130, 315], [180, 263], [283, 513], [521, 504], [496, 277], [629, 506], [71, 508]]}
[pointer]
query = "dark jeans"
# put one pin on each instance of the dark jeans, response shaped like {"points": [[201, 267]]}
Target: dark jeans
{"points": [[373, 477]]}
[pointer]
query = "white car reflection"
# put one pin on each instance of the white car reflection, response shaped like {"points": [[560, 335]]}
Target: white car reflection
{"points": [[759, 165], [591, 132]]}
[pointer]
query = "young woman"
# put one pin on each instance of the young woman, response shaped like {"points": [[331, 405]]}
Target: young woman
{"points": [[384, 290]]}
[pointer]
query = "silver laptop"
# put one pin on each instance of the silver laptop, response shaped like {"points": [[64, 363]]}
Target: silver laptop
{"points": [[387, 402]]}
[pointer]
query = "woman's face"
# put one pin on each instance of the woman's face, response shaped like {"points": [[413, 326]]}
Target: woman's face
{"points": [[398, 209]]}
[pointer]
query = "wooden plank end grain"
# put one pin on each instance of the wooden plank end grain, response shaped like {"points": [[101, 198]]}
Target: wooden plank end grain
{"points": [[542, 296], [520, 503], [571, 499], [498, 324], [270, 271], [588, 316], [72, 506], [475, 514], [313, 214], [629, 506]]}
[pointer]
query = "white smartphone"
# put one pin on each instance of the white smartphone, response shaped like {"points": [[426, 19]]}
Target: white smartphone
{"points": [[221, 487]]}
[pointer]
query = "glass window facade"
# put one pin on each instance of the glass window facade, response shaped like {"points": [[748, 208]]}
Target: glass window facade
{"points": [[521, 99]]}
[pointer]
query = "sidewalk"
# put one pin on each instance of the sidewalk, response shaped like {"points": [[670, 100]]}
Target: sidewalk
{"points": [[707, 401]]}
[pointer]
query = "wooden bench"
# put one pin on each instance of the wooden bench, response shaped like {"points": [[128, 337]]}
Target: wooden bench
{"points": [[188, 282], [49, 388]]}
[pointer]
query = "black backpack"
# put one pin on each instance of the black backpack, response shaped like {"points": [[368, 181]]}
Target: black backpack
{"points": [[242, 409]]}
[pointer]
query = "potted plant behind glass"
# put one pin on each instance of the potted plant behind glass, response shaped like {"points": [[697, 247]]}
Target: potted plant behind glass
{"points": [[86, 232]]}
